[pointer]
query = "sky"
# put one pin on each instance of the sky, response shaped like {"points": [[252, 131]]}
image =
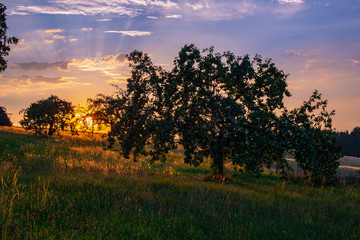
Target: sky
{"points": [[76, 49]]}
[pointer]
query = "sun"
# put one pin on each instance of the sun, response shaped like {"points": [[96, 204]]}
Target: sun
{"points": [[89, 121]]}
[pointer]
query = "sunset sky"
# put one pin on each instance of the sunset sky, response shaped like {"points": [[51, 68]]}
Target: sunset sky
{"points": [[76, 48]]}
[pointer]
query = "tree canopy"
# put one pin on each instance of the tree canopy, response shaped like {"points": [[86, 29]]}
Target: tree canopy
{"points": [[51, 114], [225, 107], [5, 41], [349, 142], [4, 118]]}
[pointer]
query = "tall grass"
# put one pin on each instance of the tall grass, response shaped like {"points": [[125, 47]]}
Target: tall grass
{"points": [[70, 188]]}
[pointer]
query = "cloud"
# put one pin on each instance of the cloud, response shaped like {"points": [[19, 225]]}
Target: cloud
{"points": [[54, 30], [79, 7], [86, 29], [53, 34], [114, 59], [132, 33], [173, 16], [299, 54], [23, 83], [165, 4], [61, 65], [103, 20], [291, 1], [57, 36], [152, 17], [219, 10], [189, 9], [354, 62], [196, 6], [310, 62]]}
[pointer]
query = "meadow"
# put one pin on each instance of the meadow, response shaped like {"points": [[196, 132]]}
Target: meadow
{"points": [[69, 187]]}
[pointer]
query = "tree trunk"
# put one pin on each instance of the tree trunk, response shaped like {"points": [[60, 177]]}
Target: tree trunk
{"points": [[51, 129], [218, 162]]}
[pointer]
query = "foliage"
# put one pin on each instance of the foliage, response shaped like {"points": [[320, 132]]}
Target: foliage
{"points": [[222, 107], [226, 107], [4, 118], [106, 110], [5, 41], [313, 140], [145, 111], [50, 114], [349, 142]]}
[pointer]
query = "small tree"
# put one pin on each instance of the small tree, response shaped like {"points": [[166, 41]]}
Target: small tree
{"points": [[106, 110], [313, 139], [51, 114], [4, 118], [5, 41]]}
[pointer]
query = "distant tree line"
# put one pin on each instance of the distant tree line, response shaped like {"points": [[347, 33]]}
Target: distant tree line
{"points": [[349, 142]]}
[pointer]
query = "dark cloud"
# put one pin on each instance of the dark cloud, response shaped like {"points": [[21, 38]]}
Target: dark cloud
{"points": [[37, 66], [26, 80], [119, 58]]}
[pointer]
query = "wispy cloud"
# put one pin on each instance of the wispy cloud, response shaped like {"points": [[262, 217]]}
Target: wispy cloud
{"points": [[299, 54], [86, 29], [354, 62], [132, 33], [189, 9], [37, 66], [291, 1], [56, 30], [103, 20], [27, 83], [173, 16]]}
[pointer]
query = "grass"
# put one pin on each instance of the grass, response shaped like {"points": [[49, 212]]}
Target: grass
{"points": [[70, 188]]}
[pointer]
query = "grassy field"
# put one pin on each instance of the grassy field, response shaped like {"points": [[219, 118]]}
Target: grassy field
{"points": [[70, 188]]}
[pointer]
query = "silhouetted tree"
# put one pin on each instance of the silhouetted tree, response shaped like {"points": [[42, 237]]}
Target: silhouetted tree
{"points": [[106, 110], [312, 138], [223, 107], [51, 114], [4, 118], [349, 142], [5, 41], [144, 111]]}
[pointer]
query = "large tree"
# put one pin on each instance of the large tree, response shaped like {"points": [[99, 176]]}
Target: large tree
{"points": [[5, 41], [220, 106], [4, 118], [51, 114]]}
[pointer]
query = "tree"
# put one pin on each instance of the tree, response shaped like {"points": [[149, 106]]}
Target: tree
{"points": [[144, 111], [313, 140], [349, 142], [5, 41], [211, 105], [220, 106], [4, 118], [106, 110], [51, 114]]}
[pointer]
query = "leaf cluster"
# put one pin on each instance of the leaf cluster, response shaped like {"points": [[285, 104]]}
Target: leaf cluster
{"points": [[5, 41]]}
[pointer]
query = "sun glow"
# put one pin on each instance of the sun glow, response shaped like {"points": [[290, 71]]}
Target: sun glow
{"points": [[89, 121]]}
